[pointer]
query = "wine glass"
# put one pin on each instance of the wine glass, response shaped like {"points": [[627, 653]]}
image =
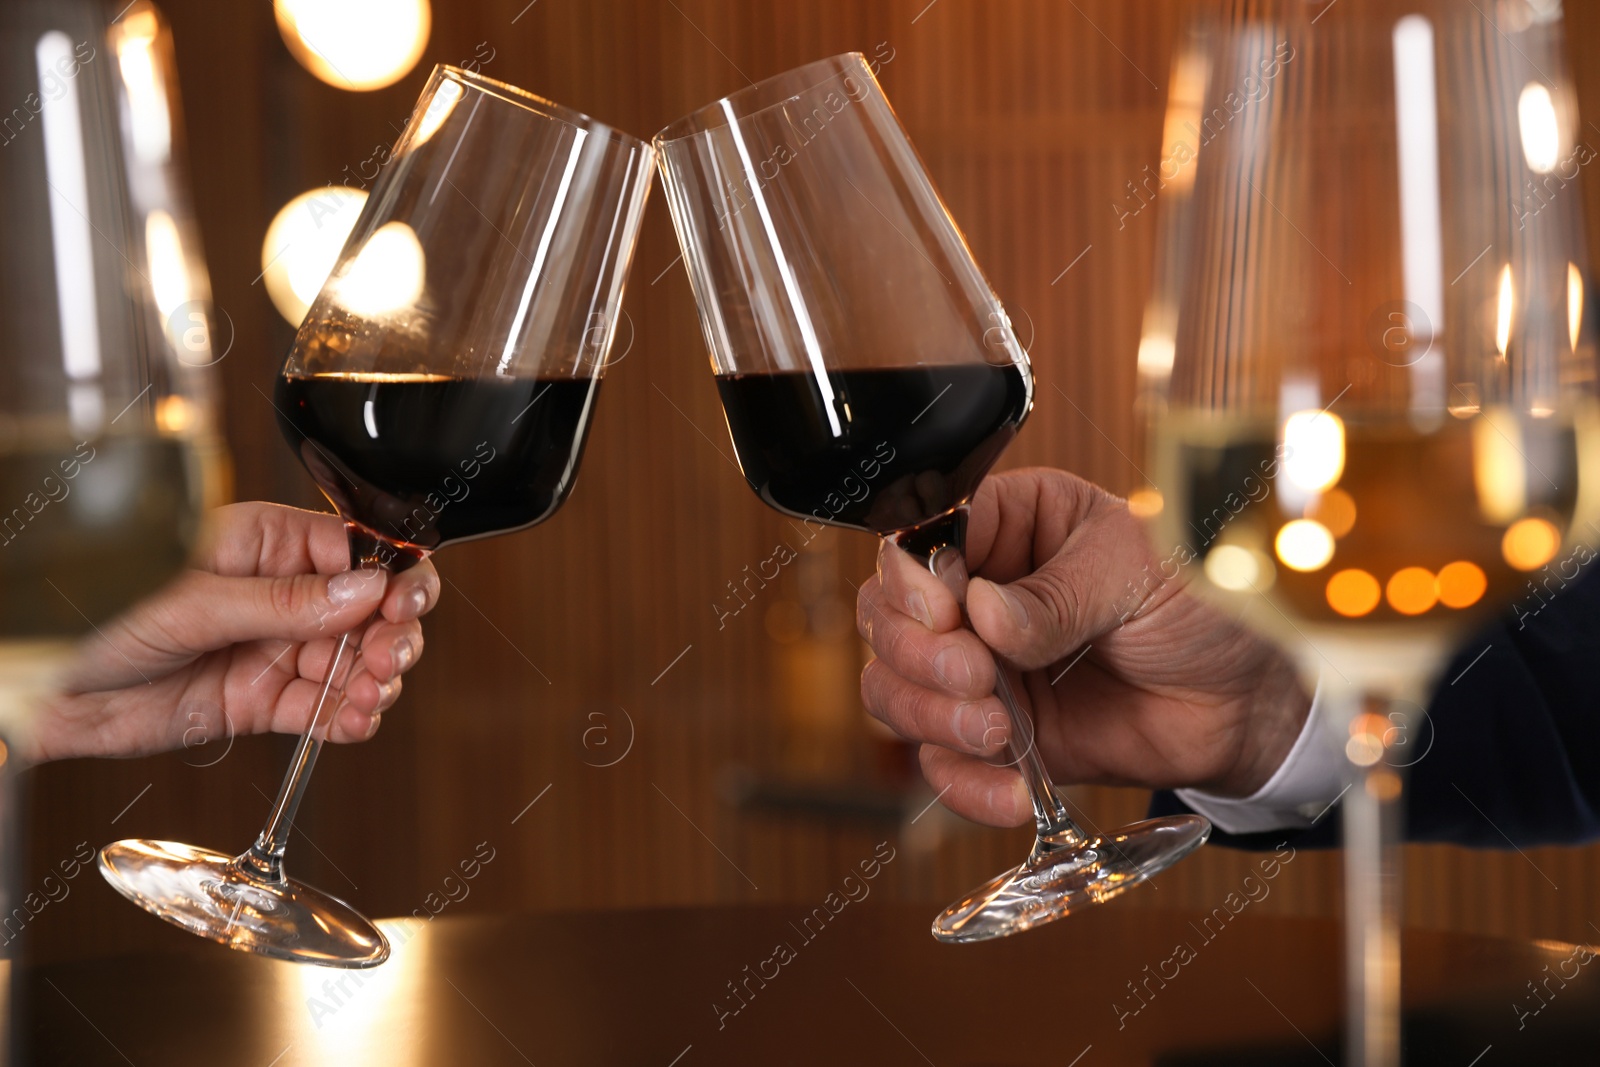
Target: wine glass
{"points": [[108, 451], [1369, 367], [440, 389], [870, 379]]}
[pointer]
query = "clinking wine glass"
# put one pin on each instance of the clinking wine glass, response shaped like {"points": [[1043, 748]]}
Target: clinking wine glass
{"points": [[439, 390], [1369, 367], [870, 379]]}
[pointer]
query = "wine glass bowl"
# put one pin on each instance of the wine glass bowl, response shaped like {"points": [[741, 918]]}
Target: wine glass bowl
{"points": [[1377, 308], [870, 379], [912, 442], [440, 389]]}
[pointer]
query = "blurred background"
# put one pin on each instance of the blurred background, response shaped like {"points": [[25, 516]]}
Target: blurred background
{"points": [[622, 704]]}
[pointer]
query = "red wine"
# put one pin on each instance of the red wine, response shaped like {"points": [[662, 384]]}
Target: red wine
{"points": [[904, 445], [422, 460]]}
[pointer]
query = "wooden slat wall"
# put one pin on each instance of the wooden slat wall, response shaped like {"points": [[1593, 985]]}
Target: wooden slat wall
{"points": [[1032, 116]]}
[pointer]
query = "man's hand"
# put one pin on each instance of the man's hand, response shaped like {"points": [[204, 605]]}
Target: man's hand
{"points": [[239, 643], [1170, 692]]}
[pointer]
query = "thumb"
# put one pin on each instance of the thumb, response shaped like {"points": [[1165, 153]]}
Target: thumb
{"points": [[1102, 575], [299, 607]]}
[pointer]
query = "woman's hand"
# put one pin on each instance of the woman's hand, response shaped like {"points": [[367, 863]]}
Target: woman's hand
{"points": [[1168, 691], [240, 642]]}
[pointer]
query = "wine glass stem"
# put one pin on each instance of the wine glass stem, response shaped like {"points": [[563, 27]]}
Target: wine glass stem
{"points": [[1055, 828], [1371, 821], [265, 858]]}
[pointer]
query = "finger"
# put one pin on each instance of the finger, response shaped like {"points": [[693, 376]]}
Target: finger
{"points": [[1085, 589], [916, 591], [350, 722], [954, 662], [917, 714], [369, 694], [390, 649], [256, 538], [412, 593], [387, 650], [203, 611], [354, 725], [993, 796]]}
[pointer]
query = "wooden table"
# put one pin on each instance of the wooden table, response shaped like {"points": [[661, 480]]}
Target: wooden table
{"points": [[868, 987]]}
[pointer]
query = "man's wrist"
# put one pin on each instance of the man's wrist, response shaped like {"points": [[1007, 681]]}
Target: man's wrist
{"points": [[1274, 724], [1305, 784]]}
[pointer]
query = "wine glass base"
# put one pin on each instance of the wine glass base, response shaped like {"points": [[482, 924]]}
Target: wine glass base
{"points": [[203, 892], [1053, 884]]}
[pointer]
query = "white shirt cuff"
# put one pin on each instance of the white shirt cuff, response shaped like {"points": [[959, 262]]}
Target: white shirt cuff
{"points": [[1308, 782]]}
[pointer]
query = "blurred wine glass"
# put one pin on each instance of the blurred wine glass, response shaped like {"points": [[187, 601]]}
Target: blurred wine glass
{"points": [[1369, 367], [108, 451]]}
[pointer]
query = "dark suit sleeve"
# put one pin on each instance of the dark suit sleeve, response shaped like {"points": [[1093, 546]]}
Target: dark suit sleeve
{"points": [[1511, 752]]}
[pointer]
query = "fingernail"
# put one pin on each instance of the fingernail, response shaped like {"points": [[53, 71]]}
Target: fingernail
{"points": [[952, 668], [1013, 603], [972, 726], [917, 608], [388, 693], [405, 653], [348, 587], [412, 603], [1020, 801], [372, 724]]}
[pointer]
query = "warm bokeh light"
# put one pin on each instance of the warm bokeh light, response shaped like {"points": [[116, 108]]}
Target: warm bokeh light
{"points": [[1314, 450], [387, 275], [1505, 304], [350, 1011], [1465, 400], [1541, 132], [1383, 785], [1365, 746], [1353, 593], [1461, 584], [1145, 503], [1304, 545], [1157, 351], [355, 44], [302, 245], [1412, 591], [169, 268], [1575, 290], [149, 115], [1530, 543], [175, 415], [1499, 466], [1235, 569], [1185, 97], [1335, 509]]}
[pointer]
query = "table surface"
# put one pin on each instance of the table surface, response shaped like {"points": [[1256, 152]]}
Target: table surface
{"points": [[870, 986]]}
